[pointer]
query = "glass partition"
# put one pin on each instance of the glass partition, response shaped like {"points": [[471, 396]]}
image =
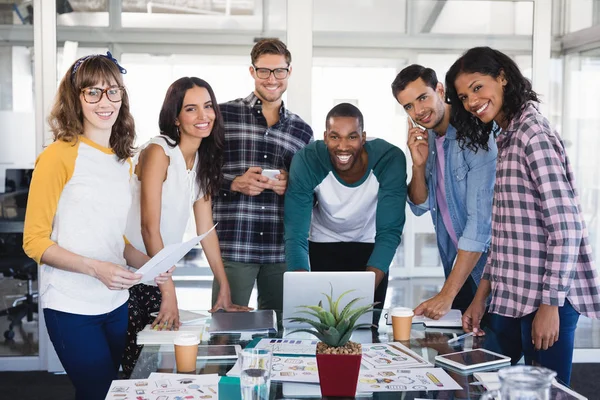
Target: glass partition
{"points": [[82, 13], [18, 320]]}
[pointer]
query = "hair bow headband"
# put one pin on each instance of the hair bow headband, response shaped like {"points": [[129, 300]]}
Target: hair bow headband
{"points": [[108, 55]]}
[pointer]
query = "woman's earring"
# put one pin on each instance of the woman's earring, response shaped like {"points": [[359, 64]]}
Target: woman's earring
{"points": [[177, 130]]}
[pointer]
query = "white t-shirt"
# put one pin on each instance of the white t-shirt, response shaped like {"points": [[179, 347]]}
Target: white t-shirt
{"points": [[79, 199]]}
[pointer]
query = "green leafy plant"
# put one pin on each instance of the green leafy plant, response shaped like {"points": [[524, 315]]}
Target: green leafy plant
{"points": [[333, 327]]}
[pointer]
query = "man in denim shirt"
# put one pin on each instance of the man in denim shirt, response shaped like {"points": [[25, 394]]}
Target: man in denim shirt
{"points": [[456, 184]]}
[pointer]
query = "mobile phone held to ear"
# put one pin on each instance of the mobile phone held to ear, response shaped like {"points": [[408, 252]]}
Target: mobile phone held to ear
{"points": [[270, 173]]}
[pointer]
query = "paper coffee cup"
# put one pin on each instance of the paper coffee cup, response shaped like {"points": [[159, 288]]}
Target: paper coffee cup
{"points": [[401, 322], [186, 351]]}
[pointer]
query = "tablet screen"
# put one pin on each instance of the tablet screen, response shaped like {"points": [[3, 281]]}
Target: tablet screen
{"points": [[470, 358]]}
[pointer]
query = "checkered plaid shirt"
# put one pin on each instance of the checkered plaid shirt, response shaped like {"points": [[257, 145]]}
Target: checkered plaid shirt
{"points": [[250, 228], [540, 252]]}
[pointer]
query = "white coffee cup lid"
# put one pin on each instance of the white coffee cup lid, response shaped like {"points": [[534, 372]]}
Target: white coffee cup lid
{"points": [[186, 339], [402, 312]]}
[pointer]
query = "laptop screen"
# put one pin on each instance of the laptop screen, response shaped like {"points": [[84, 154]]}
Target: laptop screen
{"points": [[308, 288]]}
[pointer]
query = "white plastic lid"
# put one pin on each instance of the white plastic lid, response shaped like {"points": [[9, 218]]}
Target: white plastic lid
{"points": [[401, 312], [186, 339]]}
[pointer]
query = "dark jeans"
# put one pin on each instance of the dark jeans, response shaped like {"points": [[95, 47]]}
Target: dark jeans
{"points": [[514, 338], [89, 347], [346, 256]]}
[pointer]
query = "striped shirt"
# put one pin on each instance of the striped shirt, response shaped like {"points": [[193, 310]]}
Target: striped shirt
{"points": [[250, 228], [540, 252]]}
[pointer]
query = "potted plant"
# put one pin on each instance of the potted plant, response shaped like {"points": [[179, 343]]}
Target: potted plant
{"points": [[338, 358]]}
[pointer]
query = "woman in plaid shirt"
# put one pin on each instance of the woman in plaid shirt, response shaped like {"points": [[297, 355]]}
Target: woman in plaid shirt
{"points": [[539, 271]]}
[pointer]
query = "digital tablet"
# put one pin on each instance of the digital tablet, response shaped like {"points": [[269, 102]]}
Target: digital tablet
{"points": [[219, 352], [472, 359]]}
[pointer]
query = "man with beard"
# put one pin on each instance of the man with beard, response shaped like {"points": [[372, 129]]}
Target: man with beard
{"points": [[360, 192], [260, 134], [453, 181]]}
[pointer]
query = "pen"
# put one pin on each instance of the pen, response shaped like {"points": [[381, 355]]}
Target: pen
{"points": [[456, 339]]}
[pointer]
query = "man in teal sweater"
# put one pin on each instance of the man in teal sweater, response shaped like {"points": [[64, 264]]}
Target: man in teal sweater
{"points": [[345, 202]]}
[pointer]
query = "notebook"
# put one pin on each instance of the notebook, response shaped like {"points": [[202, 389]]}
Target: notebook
{"points": [[235, 322], [187, 317], [152, 336], [491, 381], [453, 319]]}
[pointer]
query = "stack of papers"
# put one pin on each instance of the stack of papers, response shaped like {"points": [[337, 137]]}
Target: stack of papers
{"points": [[153, 336], [160, 386]]}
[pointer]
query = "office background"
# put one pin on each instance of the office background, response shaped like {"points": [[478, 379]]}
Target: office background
{"points": [[343, 50]]}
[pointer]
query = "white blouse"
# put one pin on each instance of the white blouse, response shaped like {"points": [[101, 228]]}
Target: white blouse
{"points": [[179, 192]]}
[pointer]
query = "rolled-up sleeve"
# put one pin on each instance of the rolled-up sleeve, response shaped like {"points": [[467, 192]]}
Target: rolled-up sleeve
{"points": [[476, 236]]}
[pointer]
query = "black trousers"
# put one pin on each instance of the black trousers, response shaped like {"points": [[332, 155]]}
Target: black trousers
{"points": [[346, 256]]}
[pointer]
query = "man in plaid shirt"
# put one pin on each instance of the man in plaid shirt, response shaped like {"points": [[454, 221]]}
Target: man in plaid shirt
{"points": [[260, 134], [539, 271]]}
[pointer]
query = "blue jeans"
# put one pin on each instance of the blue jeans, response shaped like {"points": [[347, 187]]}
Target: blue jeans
{"points": [[90, 348], [514, 339]]}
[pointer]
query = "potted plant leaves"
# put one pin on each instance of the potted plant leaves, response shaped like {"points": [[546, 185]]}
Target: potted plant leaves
{"points": [[338, 358]]}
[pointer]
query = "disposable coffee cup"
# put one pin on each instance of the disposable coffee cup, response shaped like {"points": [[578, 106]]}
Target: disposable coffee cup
{"points": [[401, 322], [186, 351]]}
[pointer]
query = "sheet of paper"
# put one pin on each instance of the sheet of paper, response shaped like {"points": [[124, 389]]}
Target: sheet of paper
{"points": [[167, 257], [160, 386], [289, 346], [403, 380], [288, 369], [294, 369], [391, 355]]}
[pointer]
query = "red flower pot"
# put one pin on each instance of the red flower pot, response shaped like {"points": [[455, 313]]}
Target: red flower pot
{"points": [[338, 374]]}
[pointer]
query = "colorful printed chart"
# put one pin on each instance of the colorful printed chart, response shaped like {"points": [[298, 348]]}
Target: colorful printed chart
{"points": [[166, 386], [404, 380], [391, 356]]}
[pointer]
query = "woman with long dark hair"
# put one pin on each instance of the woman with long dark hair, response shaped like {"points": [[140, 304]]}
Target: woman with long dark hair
{"points": [[176, 174], [539, 271]]}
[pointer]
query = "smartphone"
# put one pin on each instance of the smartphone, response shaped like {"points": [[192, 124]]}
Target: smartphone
{"points": [[415, 125], [270, 173]]}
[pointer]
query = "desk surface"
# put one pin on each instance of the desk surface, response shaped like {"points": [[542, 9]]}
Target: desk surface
{"points": [[426, 342]]}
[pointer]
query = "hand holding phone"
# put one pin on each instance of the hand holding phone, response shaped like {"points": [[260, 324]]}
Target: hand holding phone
{"points": [[270, 173], [417, 143]]}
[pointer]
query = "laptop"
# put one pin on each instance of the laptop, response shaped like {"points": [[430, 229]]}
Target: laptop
{"points": [[307, 288]]}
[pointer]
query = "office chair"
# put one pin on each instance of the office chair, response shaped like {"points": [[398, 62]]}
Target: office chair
{"points": [[17, 265]]}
